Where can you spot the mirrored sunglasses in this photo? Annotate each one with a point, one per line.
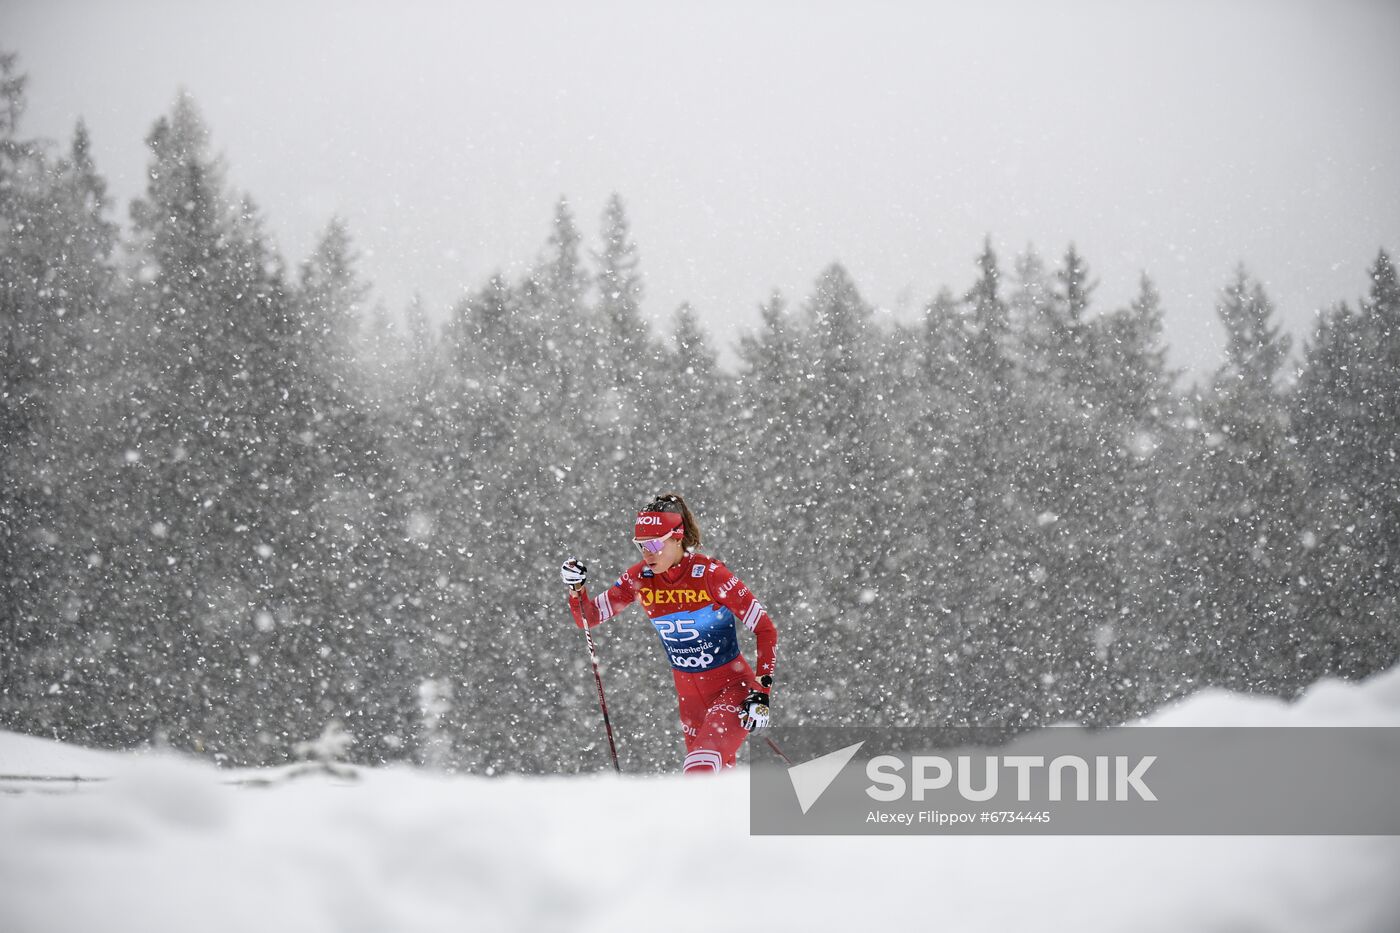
(651, 545)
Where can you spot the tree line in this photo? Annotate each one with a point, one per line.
(240, 501)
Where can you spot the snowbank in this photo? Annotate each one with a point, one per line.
(166, 844)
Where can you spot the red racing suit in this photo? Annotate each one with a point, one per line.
(696, 608)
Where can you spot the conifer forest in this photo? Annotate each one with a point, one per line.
(243, 501)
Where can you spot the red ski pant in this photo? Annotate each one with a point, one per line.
(709, 705)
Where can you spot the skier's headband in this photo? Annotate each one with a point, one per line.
(658, 525)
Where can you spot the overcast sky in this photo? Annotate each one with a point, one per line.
(755, 142)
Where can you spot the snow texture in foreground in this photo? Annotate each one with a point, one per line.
(169, 845)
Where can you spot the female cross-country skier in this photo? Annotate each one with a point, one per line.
(696, 605)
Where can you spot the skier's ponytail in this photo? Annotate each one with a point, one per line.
(673, 503)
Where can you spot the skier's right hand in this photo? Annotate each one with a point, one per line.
(574, 573)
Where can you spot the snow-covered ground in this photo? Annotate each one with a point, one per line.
(167, 844)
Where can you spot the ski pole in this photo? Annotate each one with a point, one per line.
(602, 701)
(777, 751)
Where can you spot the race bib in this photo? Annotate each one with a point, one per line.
(698, 640)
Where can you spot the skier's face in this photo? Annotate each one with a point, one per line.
(669, 554)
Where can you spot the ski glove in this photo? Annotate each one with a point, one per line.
(753, 714)
(574, 573)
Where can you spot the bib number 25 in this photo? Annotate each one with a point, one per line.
(677, 630)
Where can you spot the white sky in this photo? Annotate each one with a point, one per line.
(755, 142)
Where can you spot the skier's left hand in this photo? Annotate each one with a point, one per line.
(753, 714)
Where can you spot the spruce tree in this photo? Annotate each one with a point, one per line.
(623, 341)
(344, 525)
(773, 422)
(1137, 423)
(986, 529)
(1240, 552)
(56, 289)
(209, 462)
(1346, 411)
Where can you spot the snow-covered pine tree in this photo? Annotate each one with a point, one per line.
(624, 343)
(1240, 547)
(1347, 411)
(1139, 472)
(345, 527)
(211, 464)
(56, 292)
(772, 425)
